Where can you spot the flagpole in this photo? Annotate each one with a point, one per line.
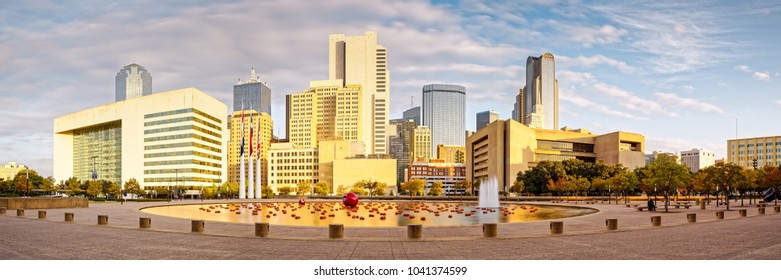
(258, 186)
(251, 188)
(241, 166)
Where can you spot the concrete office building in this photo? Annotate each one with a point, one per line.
(696, 159)
(421, 144)
(252, 94)
(438, 171)
(451, 154)
(340, 165)
(262, 126)
(359, 60)
(413, 114)
(289, 165)
(537, 104)
(401, 145)
(503, 148)
(766, 151)
(325, 111)
(173, 138)
(484, 118)
(9, 171)
(444, 107)
(133, 81)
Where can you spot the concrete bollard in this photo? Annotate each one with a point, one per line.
(556, 227)
(41, 215)
(20, 212)
(702, 205)
(611, 224)
(144, 223)
(761, 210)
(489, 230)
(656, 221)
(197, 226)
(720, 215)
(691, 217)
(69, 217)
(102, 219)
(777, 209)
(336, 231)
(414, 231)
(261, 229)
(742, 212)
(2, 210)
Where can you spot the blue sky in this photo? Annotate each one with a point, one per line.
(679, 73)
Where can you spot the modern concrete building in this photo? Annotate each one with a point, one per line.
(9, 171)
(766, 151)
(289, 165)
(401, 145)
(504, 148)
(421, 144)
(133, 81)
(252, 94)
(340, 165)
(438, 171)
(325, 111)
(359, 60)
(696, 159)
(262, 126)
(173, 138)
(451, 154)
(537, 104)
(444, 108)
(413, 114)
(484, 118)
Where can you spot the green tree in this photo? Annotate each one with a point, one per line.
(517, 187)
(6, 187)
(771, 177)
(94, 188)
(321, 188)
(536, 178)
(414, 187)
(624, 181)
(435, 189)
(229, 189)
(341, 190)
(303, 188)
(74, 186)
(27, 180)
(267, 192)
(461, 186)
(358, 188)
(114, 190)
(132, 187)
(209, 192)
(285, 190)
(580, 185)
(49, 185)
(666, 177)
(726, 176)
(703, 183)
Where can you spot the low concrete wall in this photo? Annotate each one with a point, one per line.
(43, 202)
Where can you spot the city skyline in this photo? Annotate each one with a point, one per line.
(672, 79)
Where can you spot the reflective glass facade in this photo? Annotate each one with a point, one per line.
(98, 148)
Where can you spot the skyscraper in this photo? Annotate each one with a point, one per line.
(401, 145)
(443, 112)
(133, 81)
(413, 114)
(325, 111)
(537, 105)
(358, 60)
(252, 94)
(484, 118)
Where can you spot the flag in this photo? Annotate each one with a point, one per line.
(250, 137)
(241, 152)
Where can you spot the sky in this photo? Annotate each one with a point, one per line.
(686, 74)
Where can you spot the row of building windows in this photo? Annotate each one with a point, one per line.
(182, 111)
(183, 161)
(182, 179)
(179, 145)
(183, 170)
(294, 174)
(183, 153)
(182, 136)
(183, 127)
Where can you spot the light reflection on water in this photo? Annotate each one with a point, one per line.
(367, 214)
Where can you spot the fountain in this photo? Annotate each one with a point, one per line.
(489, 194)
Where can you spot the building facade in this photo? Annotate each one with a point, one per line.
(451, 154)
(421, 143)
(504, 148)
(766, 151)
(359, 60)
(484, 118)
(262, 127)
(437, 171)
(696, 159)
(173, 138)
(413, 114)
(252, 94)
(444, 108)
(325, 111)
(289, 165)
(538, 101)
(401, 145)
(133, 81)
(656, 154)
(9, 171)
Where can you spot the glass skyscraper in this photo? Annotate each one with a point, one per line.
(133, 81)
(537, 105)
(252, 95)
(443, 112)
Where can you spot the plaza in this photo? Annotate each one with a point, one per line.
(585, 237)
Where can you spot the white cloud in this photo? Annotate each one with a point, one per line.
(589, 36)
(743, 68)
(762, 76)
(778, 102)
(582, 102)
(591, 61)
(673, 100)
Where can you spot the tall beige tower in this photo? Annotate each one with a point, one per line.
(262, 126)
(421, 143)
(359, 60)
(537, 104)
(325, 111)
